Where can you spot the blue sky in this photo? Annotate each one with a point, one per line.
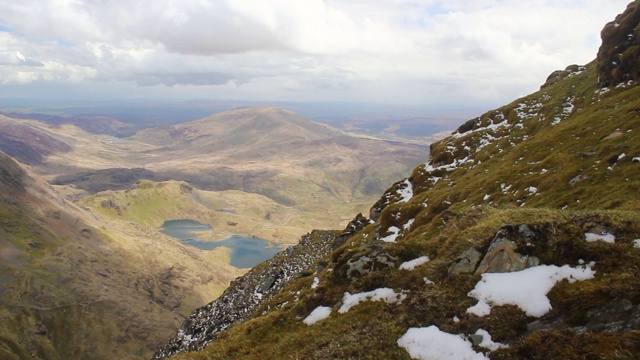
(485, 52)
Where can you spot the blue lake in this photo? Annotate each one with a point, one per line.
(246, 251)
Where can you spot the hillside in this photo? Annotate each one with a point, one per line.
(73, 286)
(519, 238)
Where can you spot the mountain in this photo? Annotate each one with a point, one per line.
(519, 238)
(73, 286)
(279, 154)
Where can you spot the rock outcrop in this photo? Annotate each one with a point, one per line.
(619, 55)
(502, 255)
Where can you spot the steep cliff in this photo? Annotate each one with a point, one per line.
(519, 238)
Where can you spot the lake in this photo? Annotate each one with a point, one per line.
(246, 251)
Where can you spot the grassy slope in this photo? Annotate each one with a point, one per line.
(530, 152)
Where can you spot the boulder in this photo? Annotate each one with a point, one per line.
(502, 256)
(360, 264)
(465, 263)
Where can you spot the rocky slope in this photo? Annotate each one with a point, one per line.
(519, 238)
(247, 294)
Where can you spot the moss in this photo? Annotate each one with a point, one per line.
(565, 344)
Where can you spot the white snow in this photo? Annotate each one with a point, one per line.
(526, 289)
(427, 281)
(406, 192)
(456, 319)
(591, 237)
(383, 294)
(491, 127)
(505, 188)
(568, 105)
(636, 159)
(532, 189)
(393, 236)
(431, 344)
(412, 264)
(486, 197)
(408, 224)
(319, 313)
(621, 156)
(487, 343)
(450, 167)
(636, 243)
(316, 281)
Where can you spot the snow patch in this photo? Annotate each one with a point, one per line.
(431, 343)
(383, 294)
(526, 289)
(410, 265)
(487, 343)
(408, 224)
(316, 282)
(591, 237)
(406, 192)
(319, 313)
(394, 235)
(636, 243)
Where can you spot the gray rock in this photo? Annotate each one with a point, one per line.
(377, 260)
(619, 315)
(465, 263)
(476, 339)
(266, 283)
(502, 256)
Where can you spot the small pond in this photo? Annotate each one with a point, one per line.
(246, 251)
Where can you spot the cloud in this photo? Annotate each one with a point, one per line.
(16, 58)
(485, 51)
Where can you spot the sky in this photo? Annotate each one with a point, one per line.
(401, 52)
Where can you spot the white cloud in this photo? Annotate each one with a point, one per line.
(401, 51)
